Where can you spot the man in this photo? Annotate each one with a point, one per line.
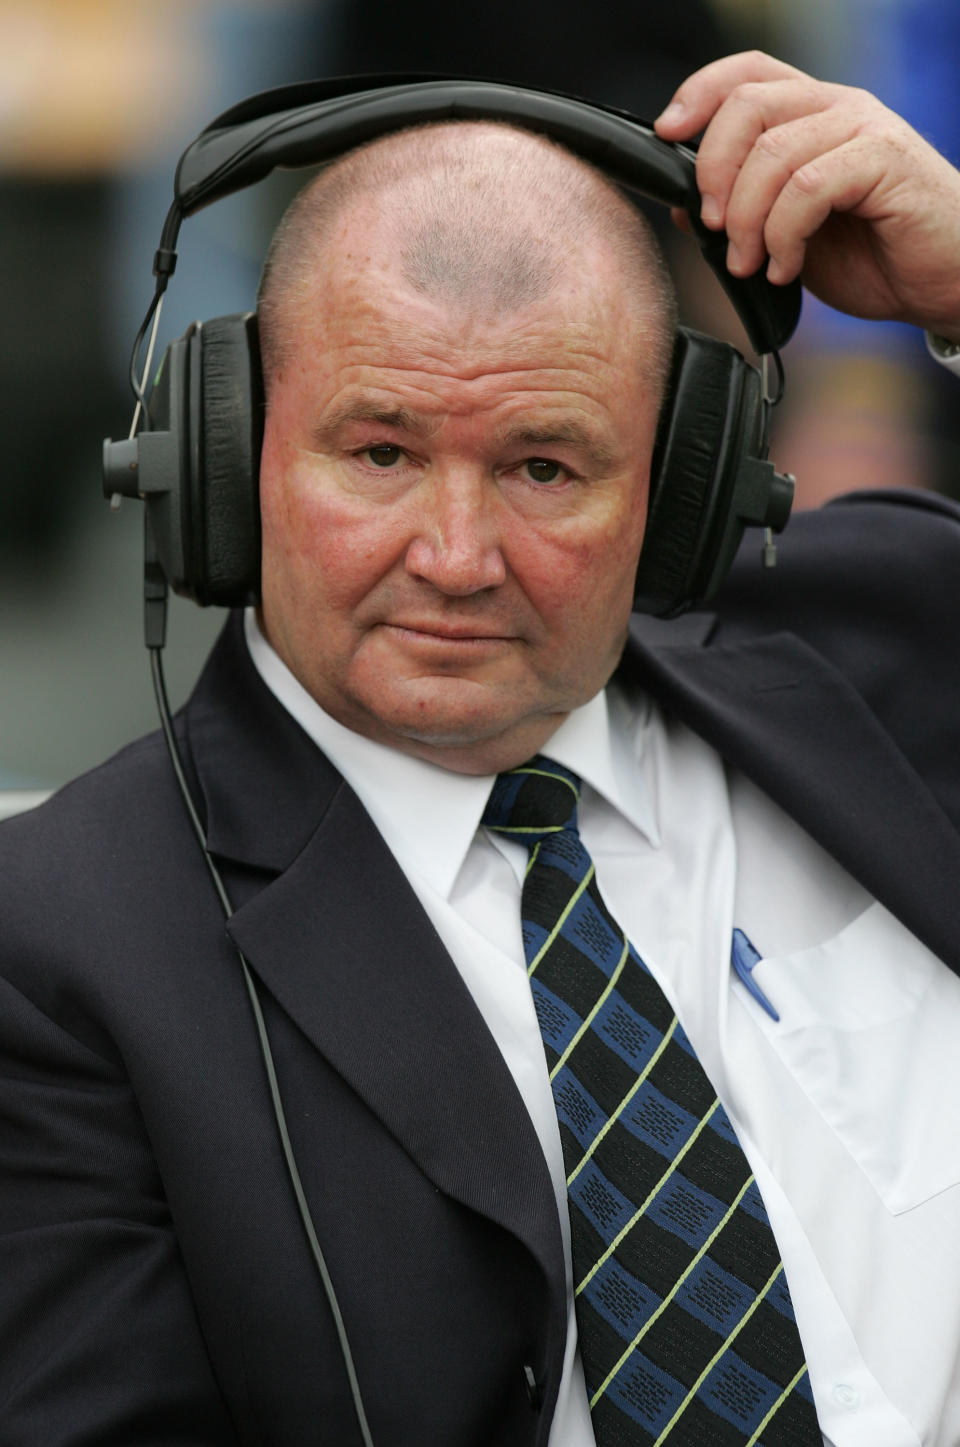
(462, 392)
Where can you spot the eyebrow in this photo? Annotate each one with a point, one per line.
(402, 418)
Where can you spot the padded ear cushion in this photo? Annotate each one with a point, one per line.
(695, 456)
(225, 514)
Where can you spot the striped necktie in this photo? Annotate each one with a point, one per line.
(686, 1327)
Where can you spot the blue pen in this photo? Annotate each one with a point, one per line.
(743, 957)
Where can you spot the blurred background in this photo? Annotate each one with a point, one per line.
(97, 100)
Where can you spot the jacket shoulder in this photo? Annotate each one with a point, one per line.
(90, 818)
(871, 582)
(862, 559)
(89, 883)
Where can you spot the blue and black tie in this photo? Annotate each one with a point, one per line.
(686, 1327)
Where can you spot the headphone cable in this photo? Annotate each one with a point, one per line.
(155, 619)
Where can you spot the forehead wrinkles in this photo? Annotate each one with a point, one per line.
(581, 361)
(468, 382)
(493, 406)
(371, 319)
(423, 405)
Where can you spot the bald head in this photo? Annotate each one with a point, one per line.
(483, 217)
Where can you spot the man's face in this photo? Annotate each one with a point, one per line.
(453, 507)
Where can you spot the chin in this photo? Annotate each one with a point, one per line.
(445, 733)
(438, 710)
(483, 743)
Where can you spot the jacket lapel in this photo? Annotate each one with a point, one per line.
(338, 937)
(778, 711)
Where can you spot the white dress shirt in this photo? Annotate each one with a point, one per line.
(847, 1108)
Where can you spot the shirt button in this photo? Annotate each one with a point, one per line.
(846, 1396)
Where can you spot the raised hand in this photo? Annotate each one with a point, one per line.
(822, 181)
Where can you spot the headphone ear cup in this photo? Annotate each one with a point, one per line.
(221, 513)
(711, 420)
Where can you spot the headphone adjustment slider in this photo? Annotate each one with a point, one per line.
(764, 496)
(139, 466)
(164, 262)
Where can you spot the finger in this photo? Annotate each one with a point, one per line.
(702, 93)
(745, 117)
(774, 157)
(840, 180)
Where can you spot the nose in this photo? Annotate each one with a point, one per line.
(456, 546)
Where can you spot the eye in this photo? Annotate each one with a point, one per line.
(383, 455)
(543, 470)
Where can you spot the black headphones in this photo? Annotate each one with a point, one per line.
(196, 461)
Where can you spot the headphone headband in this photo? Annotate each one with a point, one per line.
(307, 124)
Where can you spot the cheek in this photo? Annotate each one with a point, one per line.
(318, 542)
(583, 583)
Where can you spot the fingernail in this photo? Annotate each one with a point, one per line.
(710, 212)
(673, 115)
(734, 262)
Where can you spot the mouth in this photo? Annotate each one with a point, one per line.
(447, 635)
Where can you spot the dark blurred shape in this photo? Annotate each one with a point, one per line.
(59, 389)
(853, 421)
(111, 92)
(631, 55)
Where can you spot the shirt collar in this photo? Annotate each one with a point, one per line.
(428, 815)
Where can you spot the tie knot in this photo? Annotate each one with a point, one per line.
(540, 797)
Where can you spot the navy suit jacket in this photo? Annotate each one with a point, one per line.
(155, 1285)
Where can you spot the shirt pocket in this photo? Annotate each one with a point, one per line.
(870, 1029)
